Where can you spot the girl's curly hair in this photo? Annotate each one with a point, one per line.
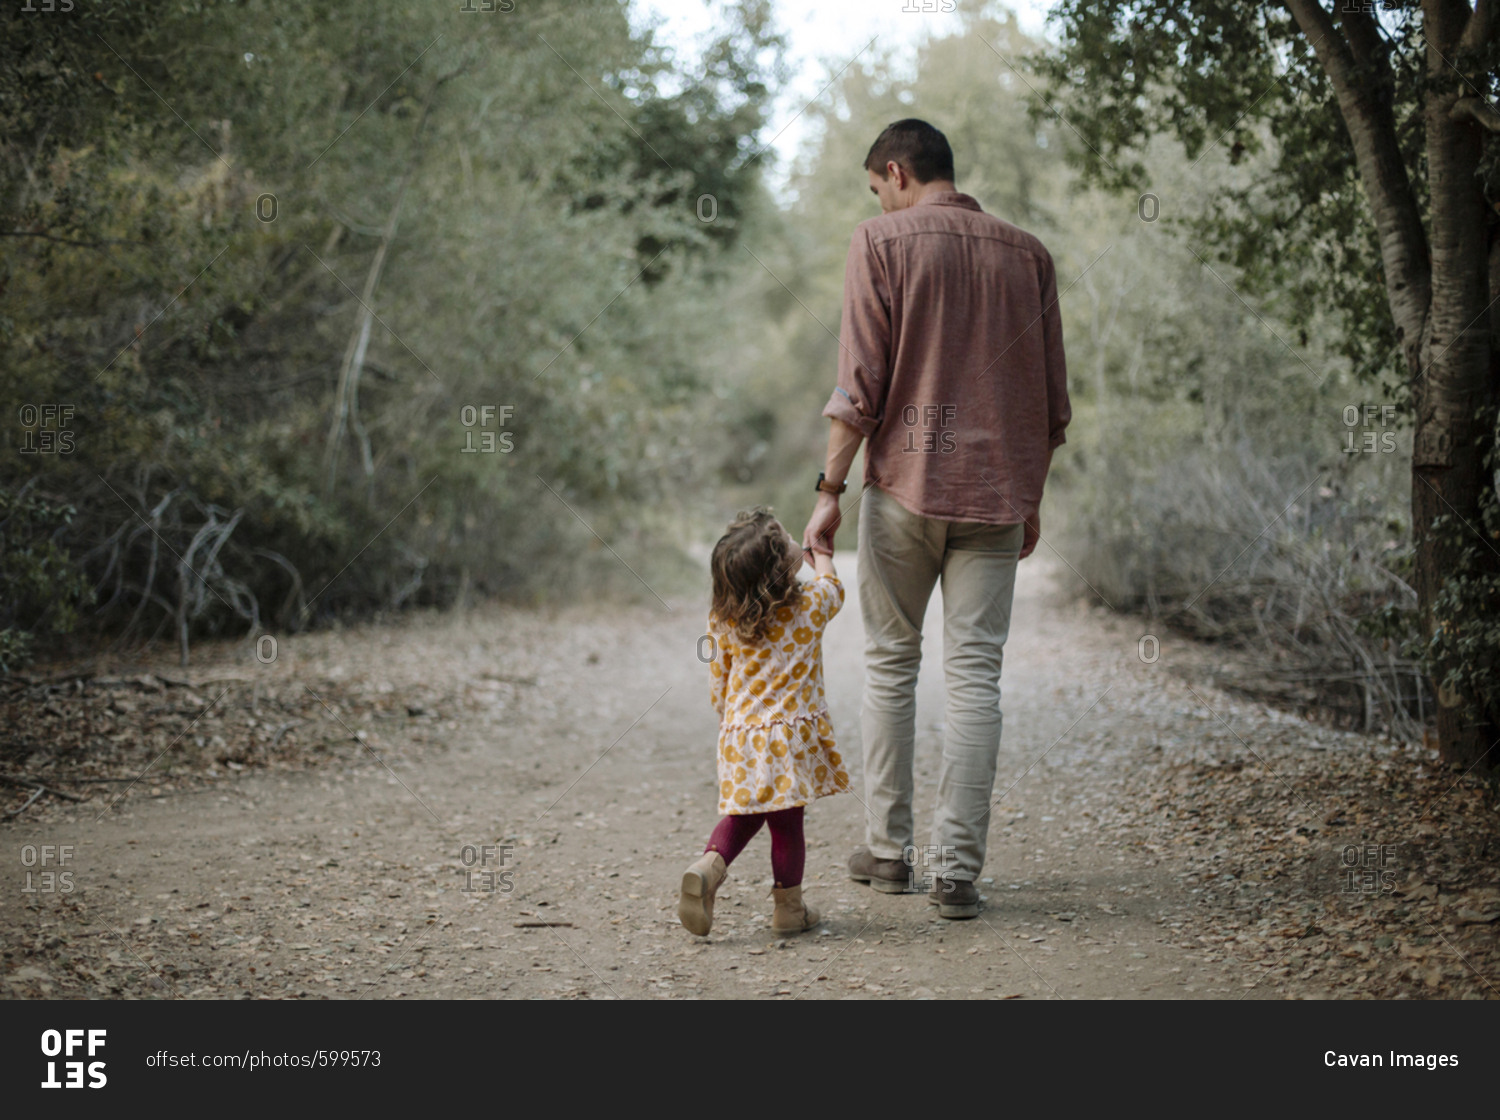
(755, 573)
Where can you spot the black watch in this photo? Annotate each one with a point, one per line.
(826, 487)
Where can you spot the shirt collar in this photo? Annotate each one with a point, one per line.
(950, 198)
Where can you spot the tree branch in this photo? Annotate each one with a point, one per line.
(1372, 128)
(346, 404)
(1483, 113)
(23, 780)
(1367, 44)
(1483, 26)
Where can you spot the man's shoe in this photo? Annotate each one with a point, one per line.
(954, 898)
(889, 876)
(695, 905)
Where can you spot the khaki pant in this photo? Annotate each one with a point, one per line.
(901, 557)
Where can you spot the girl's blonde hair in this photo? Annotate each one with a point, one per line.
(754, 572)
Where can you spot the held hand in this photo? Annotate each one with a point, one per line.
(1031, 535)
(821, 527)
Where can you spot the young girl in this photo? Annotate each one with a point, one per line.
(776, 748)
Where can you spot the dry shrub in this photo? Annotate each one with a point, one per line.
(1293, 564)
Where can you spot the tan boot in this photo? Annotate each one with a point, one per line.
(791, 915)
(700, 882)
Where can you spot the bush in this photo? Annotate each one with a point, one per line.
(42, 589)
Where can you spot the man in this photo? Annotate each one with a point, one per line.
(951, 366)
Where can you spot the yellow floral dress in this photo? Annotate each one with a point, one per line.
(776, 747)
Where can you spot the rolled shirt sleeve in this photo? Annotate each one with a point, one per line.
(864, 339)
(1059, 408)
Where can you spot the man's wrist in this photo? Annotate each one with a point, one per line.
(827, 485)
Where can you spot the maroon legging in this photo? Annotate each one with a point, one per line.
(788, 849)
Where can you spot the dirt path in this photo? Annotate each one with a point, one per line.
(525, 836)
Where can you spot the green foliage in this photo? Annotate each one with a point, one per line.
(1237, 84)
(42, 589)
(1464, 651)
(547, 264)
(1237, 88)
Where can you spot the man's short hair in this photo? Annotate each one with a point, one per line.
(918, 147)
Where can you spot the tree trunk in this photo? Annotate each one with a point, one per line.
(1438, 297)
(1452, 385)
